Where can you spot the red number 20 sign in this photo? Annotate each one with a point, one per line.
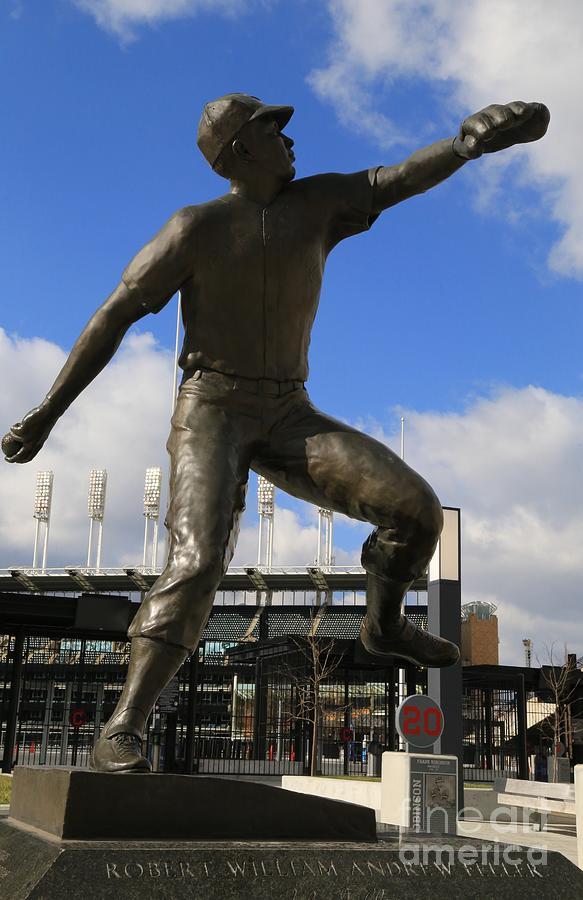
(419, 721)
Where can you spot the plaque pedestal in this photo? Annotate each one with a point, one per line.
(419, 792)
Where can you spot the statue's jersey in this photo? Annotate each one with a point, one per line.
(250, 276)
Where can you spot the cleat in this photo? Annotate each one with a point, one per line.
(410, 643)
(119, 753)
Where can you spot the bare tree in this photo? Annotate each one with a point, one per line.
(317, 663)
(559, 680)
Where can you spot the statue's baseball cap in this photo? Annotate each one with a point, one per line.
(222, 119)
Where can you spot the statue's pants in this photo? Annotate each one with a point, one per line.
(219, 431)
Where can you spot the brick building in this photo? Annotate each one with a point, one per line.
(479, 634)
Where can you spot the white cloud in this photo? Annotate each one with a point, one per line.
(295, 540)
(119, 423)
(471, 54)
(121, 16)
(513, 463)
(16, 10)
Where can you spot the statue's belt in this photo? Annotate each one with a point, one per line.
(263, 387)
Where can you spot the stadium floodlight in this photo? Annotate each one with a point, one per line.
(318, 579)
(256, 578)
(152, 491)
(266, 509)
(23, 580)
(265, 497)
(96, 511)
(138, 579)
(152, 488)
(43, 496)
(96, 498)
(81, 579)
(43, 499)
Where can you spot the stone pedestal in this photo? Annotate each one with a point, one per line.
(45, 864)
(78, 804)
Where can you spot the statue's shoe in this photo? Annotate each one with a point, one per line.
(120, 753)
(410, 643)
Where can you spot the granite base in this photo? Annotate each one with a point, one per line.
(34, 866)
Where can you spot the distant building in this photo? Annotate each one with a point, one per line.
(479, 634)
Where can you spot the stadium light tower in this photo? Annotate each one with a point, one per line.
(96, 511)
(43, 499)
(265, 508)
(325, 537)
(152, 489)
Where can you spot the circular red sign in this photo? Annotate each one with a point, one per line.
(78, 717)
(419, 721)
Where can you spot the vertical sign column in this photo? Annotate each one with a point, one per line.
(444, 618)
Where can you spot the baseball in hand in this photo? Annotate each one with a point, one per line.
(10, 445)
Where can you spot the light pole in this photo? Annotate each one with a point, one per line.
(42, 513)
(176, 353)
(325, 537)
(265, 508)
(444, 595)
(152, 488)
(96, 511)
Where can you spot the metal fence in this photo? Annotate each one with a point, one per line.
(226, 711)
(240, 708)
(508, 731)
(66, 689)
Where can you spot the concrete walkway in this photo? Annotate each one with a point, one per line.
(561, 840)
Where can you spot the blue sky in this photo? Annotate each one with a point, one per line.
(434, 303)
(454, 299)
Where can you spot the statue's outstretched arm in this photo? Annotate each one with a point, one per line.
(92, 351)
(493, 128)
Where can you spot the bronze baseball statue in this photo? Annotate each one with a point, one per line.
(249, 265)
